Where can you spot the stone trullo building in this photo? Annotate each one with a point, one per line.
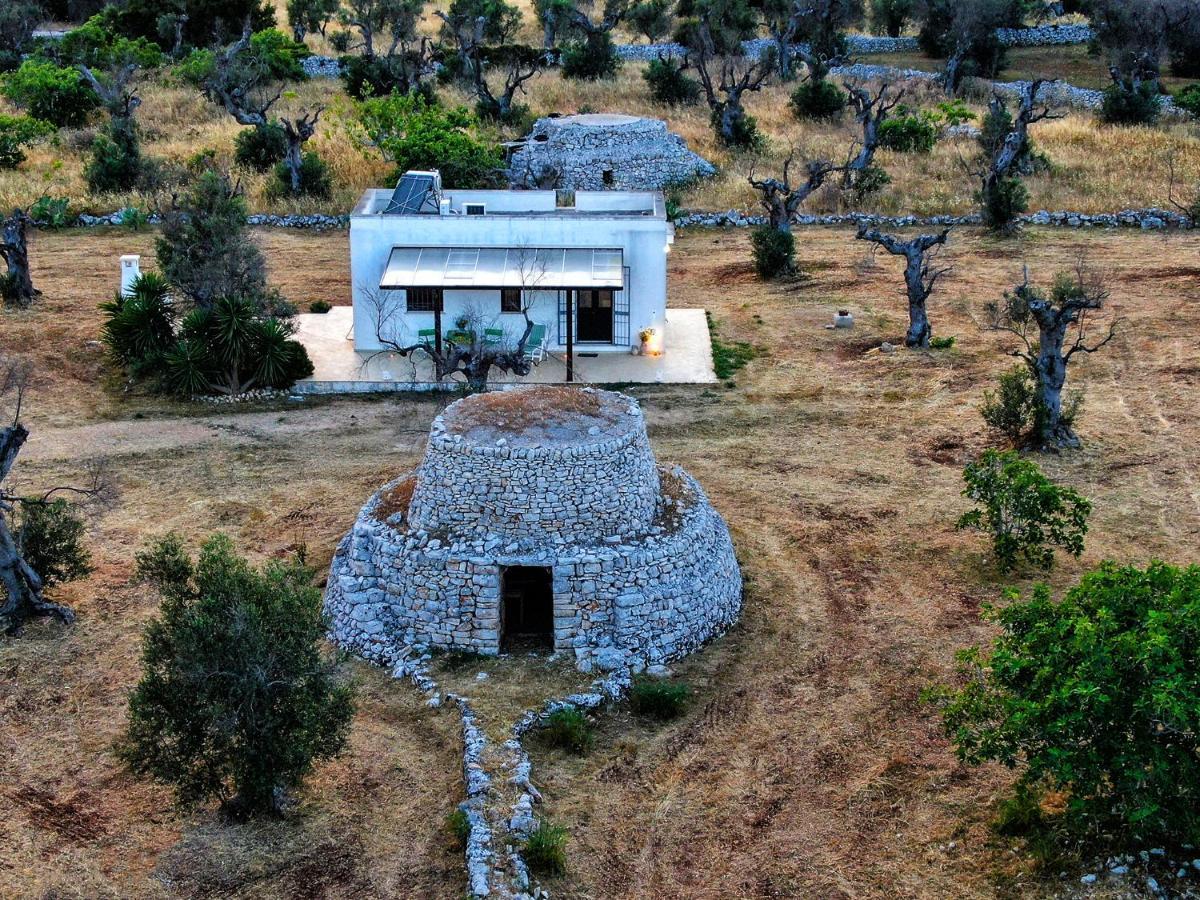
(537, 519)
(604, 152)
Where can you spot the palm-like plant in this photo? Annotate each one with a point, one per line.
(141, 325)
(187, 365)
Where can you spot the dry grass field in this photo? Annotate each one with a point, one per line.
(806, 766)
(1095, 168)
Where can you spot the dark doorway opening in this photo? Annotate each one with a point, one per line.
(594, 316)
(527, 608)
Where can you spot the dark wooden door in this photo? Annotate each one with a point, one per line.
(594, 316)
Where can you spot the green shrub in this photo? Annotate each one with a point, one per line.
(817, 100)
(236, 701)
(941, 343)
(319, 307)
(458, 825)
(593, 58)
(116, 161)
(1127, 105)
(340, 41)
(869, 182)
(545, 849)
(379, 76)
(657, 698)
(1025, 513)
(315, 178)
(952, 113)
(279, 55)
(774, 252)
(261, 147)
(99, 43)
(17, 132)
(51, 212)
(50, 538)
(669, 85)
(135, 218)
(1015, 408)
(1003, 203)
(1094, 696)
(51, 93)
(139, 328)
(567, 729)
(908, 133)
(1189, 99)
(415, 134)
(744, 135)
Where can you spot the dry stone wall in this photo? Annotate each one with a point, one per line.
(628, 593)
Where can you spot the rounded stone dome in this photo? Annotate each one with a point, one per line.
(540, 463)
(538, 514)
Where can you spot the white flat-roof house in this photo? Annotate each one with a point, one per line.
(589, 266)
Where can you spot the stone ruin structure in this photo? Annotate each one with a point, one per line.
(538, 519)
(604, 151)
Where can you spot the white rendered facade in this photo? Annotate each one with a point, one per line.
(603, 259)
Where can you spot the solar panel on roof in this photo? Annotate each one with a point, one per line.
(416, 193)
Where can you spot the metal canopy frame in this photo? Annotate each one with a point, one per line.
(492, 268)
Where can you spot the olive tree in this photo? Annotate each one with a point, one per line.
(1052, 328)
(16, 286)
(1092, 697)
(241, 81)
(712, 32)
(236, 701)
(1002, 195)
(920, 275)
(41, 537)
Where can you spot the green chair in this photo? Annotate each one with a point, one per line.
(493, 336)
(426, 336)
(535, 347)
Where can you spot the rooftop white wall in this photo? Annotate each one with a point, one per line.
(643, 240)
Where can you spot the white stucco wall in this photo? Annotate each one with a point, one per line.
(643, 240)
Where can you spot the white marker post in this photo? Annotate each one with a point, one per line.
(131, 268)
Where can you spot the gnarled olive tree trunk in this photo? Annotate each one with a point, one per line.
(23, 587)
(919, 276)
(18, 289)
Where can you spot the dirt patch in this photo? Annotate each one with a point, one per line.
(74, 818)
(396, 499)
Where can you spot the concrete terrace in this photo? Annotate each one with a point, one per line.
(339, 369)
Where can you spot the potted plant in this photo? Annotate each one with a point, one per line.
(646, 335)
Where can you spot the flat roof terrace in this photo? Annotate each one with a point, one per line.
(590, 204)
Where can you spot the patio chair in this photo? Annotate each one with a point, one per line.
(535, 347)
(493, 336)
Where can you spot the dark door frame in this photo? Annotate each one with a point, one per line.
(593, 304)
(527, 607)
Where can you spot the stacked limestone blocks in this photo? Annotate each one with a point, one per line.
(642, 567)
(604, 151)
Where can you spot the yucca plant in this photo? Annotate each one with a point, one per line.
(141, 325)
(187, 366)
